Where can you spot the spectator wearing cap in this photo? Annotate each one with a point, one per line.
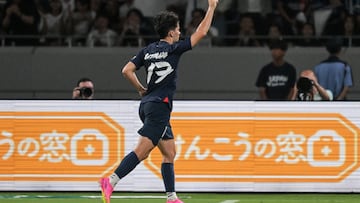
(276, 80)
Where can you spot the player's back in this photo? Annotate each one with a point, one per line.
(161, 62)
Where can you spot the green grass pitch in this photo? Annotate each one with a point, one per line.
(120, 197)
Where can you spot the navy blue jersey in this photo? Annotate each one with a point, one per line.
(161, 60)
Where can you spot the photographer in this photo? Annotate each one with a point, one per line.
(308, 89)
(84, 89)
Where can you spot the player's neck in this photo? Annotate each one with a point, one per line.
(168, 40)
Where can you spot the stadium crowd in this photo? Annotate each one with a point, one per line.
(248, 23)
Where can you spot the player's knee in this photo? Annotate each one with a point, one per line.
(141, 154)
(169, 156)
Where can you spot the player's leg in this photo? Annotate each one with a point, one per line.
(155, 124)
(130, 161)
(168, 151)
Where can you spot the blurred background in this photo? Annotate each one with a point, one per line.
(47, 45)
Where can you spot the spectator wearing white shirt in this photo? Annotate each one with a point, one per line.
(81, 21)
(102, 35)
(68, 6)
(54, 24)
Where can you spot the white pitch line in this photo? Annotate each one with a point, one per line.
(126, 197)
(230, 201)
(91, 197)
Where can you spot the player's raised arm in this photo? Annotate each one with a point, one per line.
(205, 24)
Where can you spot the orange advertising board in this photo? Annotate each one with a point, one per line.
(262, 147)
(57, 146)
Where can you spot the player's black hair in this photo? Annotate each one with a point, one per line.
(279, 44)
(164, 22)
(84, 79)
(334, 44)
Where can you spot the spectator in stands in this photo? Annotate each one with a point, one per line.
(149, 8)
(349, 34)
(317, 4)
(95, 6)
(308, 89)
(222, 20)
(257, 10)
(314, 5)
(69, 7)
(180, 10)
(111, 9)
(81, 22)
(42, 6)
(333, 73)
(246, 33)
(307, 37)
(276, 80)
(335, 22)
(101, 34)
(124, 7)
(54, 24)
(198, 15)
(136, 30)
(84, 89)
(21, 20)
(293, 15)
(274, 34)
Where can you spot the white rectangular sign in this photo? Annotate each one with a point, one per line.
(225, 146)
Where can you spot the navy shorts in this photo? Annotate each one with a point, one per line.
(156, 121)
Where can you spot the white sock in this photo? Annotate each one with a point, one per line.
(171, 196)
(114, 179)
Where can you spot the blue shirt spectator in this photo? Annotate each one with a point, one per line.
(333, 73)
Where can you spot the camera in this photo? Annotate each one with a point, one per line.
(85, 92)
(305, 89)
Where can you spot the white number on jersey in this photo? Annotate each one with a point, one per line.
(155, 68)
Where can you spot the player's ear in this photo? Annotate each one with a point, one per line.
(171, 34)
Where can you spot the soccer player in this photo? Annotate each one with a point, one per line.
(160, 60)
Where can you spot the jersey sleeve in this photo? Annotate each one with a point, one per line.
(138, 60)
(183, 46)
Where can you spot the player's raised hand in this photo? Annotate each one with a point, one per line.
(213, 3)
(205, 24)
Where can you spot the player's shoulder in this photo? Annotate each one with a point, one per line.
(186, 42)
(150, 46)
